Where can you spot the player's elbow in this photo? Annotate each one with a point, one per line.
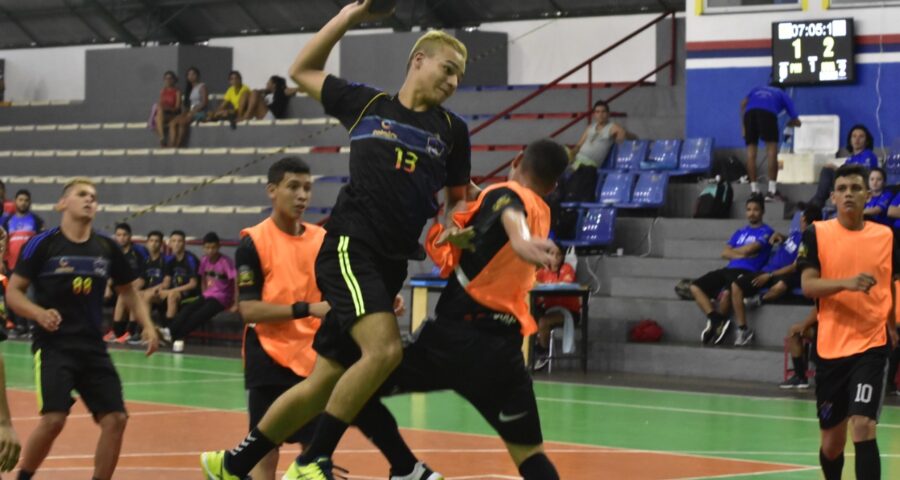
(247, 312)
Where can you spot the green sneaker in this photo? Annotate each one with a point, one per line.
(321, 469)
(213, 464)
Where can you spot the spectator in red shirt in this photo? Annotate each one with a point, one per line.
(555, 309)
(9, 207)
(167, 108)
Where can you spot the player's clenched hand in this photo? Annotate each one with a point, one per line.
(399, 306)
(151, 338)
(49, 320)
(796, 330)
(460, 238)
(358, 12)
(9, 448)
(860, 283)
(540, 252)
(319, 309)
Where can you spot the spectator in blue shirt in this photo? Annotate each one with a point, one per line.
(747, 252)
(759, 110)
(859, 145)
(779, 275)
(879, 203)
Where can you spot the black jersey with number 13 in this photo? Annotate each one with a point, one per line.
(399, 160)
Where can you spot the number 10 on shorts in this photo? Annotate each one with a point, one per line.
(863, 393)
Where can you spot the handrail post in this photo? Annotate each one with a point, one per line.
(674, 47)
(590, 89)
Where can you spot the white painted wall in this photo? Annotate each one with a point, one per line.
(539, 51)
(758, 25)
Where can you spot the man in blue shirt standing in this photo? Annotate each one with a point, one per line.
(779, 276)
(759, 110)
(747, 252)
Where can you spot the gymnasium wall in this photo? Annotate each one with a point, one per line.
(728, 54)
(538, 51)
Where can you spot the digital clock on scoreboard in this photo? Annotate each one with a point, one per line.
(809, 52)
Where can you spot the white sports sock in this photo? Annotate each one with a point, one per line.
(772, 186)
(754, 188)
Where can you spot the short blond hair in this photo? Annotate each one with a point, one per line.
(77, 181)
(429, 42)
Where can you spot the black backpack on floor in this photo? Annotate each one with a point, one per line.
(715, 201)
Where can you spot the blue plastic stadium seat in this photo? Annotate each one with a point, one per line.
(596, 227)
(649, 192)
(696, 156)
(617, 188)
(663, 155)
(629, 154)
(892, 167)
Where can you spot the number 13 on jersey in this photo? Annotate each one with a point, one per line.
(406, 160)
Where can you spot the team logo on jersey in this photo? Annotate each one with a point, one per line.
(501, 202)
(63, 266)
(802, 251)
(245, 276)
(101, 266)
(435, 146)
(385, 130)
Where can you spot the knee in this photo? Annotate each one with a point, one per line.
(114, 422)
(736, 289)
(696, 291)
(862, 428)
(54, 422)
(388, 356)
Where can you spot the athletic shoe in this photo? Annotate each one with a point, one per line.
(213, 464)
(321, 469)
(743, 337)
(165, 335)
(753, 302)
(135, 339)
(707, 334)
(178, 346)
(722, 330)
(540, 362)
(421, 472)
(121, 340)
(794, 382)
(110, 337)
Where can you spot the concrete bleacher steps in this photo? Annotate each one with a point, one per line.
(682, 197)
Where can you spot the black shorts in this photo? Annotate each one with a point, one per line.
(259, 399)
(745, 281)
(851, 385)
(90, 372)
(356, 281)
(713, 282)
(760, 124)
(487, 369)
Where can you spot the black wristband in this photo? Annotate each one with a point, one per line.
(300, 310)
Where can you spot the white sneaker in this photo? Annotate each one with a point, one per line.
(178, 346)
(166, 335)
(743, 337)
(420, 472)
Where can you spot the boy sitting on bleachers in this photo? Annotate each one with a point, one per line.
(747, 252)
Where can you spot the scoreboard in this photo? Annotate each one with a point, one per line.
(813, 52)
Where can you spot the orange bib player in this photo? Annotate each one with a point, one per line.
(848, 265)
(474, 345)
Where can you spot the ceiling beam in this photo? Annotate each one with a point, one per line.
(252, 17)
(154, 11)
(117, 26)
(15, 21)
(97, 33)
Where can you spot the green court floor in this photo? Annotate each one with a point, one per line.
(780, 430)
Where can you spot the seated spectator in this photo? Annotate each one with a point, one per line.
(779, 276)
(124, 327)
(597, 140)
(859, 144)
(234, 105)
(180, 281)
(555, 309)
(154, 269)
(271, 102)
(799, 357)
(168, 107)
(217, 275)
(747, 252)
(196, 101)
(878, 205)
(9, 207)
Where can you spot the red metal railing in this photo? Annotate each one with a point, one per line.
(590, 93)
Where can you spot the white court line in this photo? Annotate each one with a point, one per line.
(692, 410)
(152, 367)
(754, 474)
(784, 454)
(150, 413)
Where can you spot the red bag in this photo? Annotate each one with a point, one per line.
(646, 331)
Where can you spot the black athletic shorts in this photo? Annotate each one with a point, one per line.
(851, 385)
(485, 368)
(356, 281)
(90, 372)
(745, 281)
(760, 124)
(713, 282)
(259, 399)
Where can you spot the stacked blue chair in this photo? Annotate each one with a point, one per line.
(649, 192)
(617, 188)
(696, 156)
(596, 227)
(892, 167)
(629, 154)
(663, 155)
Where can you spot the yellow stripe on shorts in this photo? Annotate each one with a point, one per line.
(37, 379)
(349, 279)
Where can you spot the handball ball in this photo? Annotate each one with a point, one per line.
(381, 6)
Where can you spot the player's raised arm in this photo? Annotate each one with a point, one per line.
(539, 251)
(308, 69)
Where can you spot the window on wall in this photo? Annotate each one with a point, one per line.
(861, 3)
(738, 6)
